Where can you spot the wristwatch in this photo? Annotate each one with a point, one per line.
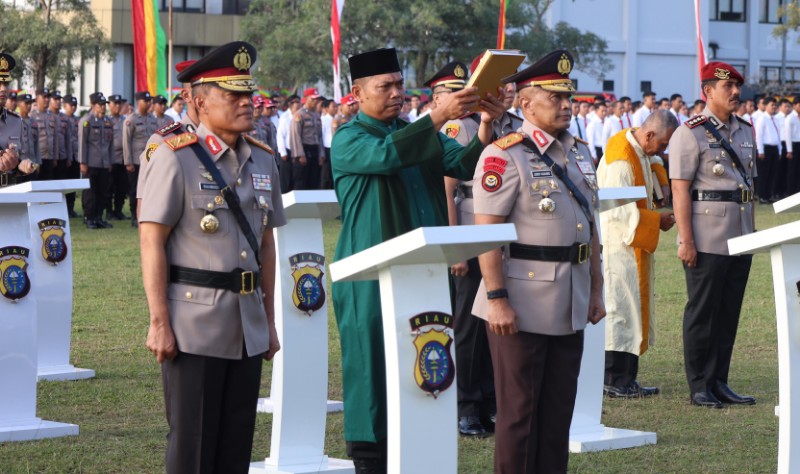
(496, 294)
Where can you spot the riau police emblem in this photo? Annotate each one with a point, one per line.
(434, 368)
(308, 293)
(14, 281)
(54, 248)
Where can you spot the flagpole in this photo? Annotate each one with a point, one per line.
(169, 55)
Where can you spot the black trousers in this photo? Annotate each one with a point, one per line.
(474, 373)
(118, 188)
(212, 413)
(133, 179)
(536, 378)
(793, 170)
(97, 194)
(622, 368)
(52, 169)
(598, 150)
(285, 168)
(768, 172)
(73, 172)
(306, 176)
(326, 174)
(715, 287)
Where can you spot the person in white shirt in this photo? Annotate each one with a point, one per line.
(627, 121)
(413, 114)
(768, 144)
(595, 133)
(329, 108)
(784, 109)
(284, 129)
(582, 121)
(573, 122)
(792, 127)
(648, 106)
(613, 123)
(742, 111)
(177, 109)
(675, 105)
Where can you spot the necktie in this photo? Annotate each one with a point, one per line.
(578, 125)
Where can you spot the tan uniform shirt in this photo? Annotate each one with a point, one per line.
(463, 130)
(693, 154)
(10, 131)
(96, 141)
(118, 156)
(549, 298)
(208, 321)
(306, 130)
(135, 133)
(155, 140)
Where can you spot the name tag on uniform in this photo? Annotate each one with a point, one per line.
(715, 145)
(261, 182)
(585, 167)
(746, 145)
(209, 187)
(541, 174)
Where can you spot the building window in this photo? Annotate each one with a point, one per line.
(235, 7)
(191, 6)
(646, 86)
(768, 11)
(728, 10)
(608, 86)
(770, 73)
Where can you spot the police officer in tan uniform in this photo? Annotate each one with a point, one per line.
(30, 140)
(305, 141)
(95, 149)
(137, 129)
(210, 293)
(118, 179)
(159, 108)
(712, 169)
(63, 141)
(73, 171)
(539, 292)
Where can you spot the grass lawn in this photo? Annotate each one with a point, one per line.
(121, 416)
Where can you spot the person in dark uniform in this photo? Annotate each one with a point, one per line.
(137, 129)
(305, 139)
(30, 143)
(118, 179)
(712, 196)
(95, 149)
(211, 297)
(159, 111)
(11, 101)
(539, 292)
(74, 169)
(62, 139)
(11, 164)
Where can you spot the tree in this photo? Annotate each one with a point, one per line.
(48, 36)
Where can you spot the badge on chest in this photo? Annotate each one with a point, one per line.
(261, 182)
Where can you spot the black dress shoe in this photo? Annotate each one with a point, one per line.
(134, 223)
(706, 399)
(72, 213)
(90, 224)
(118, 215)
(471, 426)
(613, 391)
(645, 391)
(104, 224)
(369, 465)
(726, 395)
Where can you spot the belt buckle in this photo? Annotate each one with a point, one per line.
(583, 253)
(248, 277)
(747, 195)
(3, 180)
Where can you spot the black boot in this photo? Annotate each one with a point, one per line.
(369, 465)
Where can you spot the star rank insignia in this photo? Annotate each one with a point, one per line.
(54, 248)
(308, 294)
(434, 367)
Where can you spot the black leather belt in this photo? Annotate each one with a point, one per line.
(238, 281)
(741, 196)
(575, 253)
(466, 191)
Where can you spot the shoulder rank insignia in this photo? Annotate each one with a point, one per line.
(308, 294)
(580, 140)
(259, 144)
(151, 148)
(181, 141)
(173, 127)
(509, 140)
(54, 248)
(14, 281)
(434, 368)
(695, 121)
(452, 130)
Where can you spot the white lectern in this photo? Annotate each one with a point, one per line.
(418, 335)
(300, 370)
(783, 244)
(52, 247)
(587, 433)
(20, 289)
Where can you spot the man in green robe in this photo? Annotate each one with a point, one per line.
(389, 180)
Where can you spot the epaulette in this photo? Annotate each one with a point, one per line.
(259, 144)
(742, 120)
(581, 140)
(181, 141)
(164, 131)
(509, 140)
(696, 120)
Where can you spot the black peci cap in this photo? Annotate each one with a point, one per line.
(373, 63)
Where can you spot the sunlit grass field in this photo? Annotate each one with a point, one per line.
(121, 416)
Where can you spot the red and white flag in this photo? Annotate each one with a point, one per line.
(336, 14)
(701, 47)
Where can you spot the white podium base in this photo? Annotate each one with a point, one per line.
(266, 405)
(609, 438)
(328, 465)
(36, 429)
(57, 373)
(778, 411)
